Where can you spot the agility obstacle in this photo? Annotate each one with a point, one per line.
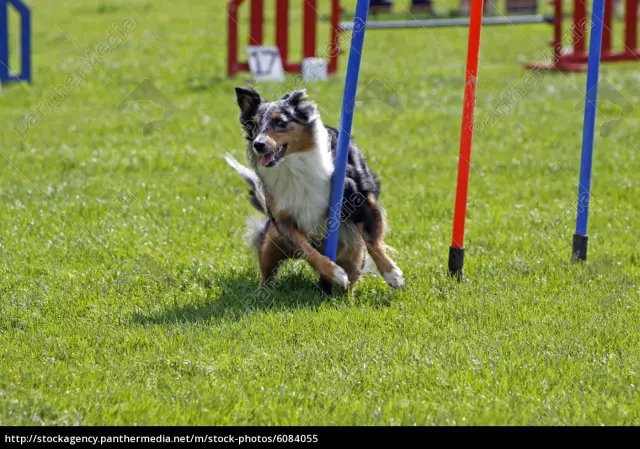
(332, 50)
(576, 59)
(256, 34)
(522, 6)
(444, 23)
(456, 251)
(580, 238)
(25, 42)
(515, 6)
(344, 132)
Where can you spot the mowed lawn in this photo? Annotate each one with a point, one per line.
(128, 296)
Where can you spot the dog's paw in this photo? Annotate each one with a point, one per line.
(325, 285)
(340, 277)
(394, 278)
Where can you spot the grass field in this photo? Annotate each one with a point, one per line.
(124, 278)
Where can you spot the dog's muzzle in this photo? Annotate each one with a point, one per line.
(272, 158)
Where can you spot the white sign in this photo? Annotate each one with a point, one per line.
(265, 63)
(314, 69)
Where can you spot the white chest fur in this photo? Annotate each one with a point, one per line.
(301, 183)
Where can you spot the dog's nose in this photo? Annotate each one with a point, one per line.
(259, 146)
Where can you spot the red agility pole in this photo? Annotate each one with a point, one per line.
(309, 28)
(255, 30)
(456, 251)
(232, 38)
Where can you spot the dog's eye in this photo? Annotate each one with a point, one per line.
(279, 123)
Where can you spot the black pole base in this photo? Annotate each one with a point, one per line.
(580, 247)
(456, 261)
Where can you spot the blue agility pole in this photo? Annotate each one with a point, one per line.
(584, 189)
(344, 133)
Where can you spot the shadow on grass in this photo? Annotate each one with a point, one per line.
(236, 295)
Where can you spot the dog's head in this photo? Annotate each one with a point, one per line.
(277, 128)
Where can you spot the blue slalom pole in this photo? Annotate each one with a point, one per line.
(344, 133)
(25, 41)
(584, 189)
(4, 42)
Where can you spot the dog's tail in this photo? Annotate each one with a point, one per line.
(256, 194)
(256, 226)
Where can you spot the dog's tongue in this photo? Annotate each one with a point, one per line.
(266, 159)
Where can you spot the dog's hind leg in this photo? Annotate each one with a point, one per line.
(352, 261)
(273, 251)
(373, 229)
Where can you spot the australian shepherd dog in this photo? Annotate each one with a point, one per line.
(292, 154)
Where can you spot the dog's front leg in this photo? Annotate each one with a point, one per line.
(304, 250)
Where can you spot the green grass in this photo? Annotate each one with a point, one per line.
(147, 322)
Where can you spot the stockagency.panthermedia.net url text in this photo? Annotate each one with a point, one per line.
(189, 439)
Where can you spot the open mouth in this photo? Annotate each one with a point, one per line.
(272, 159)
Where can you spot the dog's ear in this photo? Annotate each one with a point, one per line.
(295, 98)
(305, 111)
(248, 100)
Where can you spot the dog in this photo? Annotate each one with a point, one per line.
(292, 154)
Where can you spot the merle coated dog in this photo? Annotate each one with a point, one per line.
(292, 154)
